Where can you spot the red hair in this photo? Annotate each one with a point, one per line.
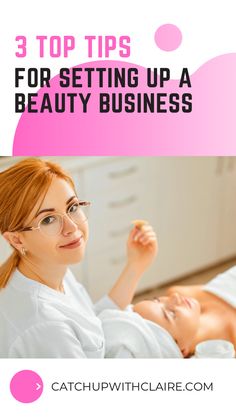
(21, 186)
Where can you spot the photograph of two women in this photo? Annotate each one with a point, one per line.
(117, 257)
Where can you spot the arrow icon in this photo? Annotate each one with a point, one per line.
(26, 386)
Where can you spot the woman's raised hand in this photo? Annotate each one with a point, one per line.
(142, 246)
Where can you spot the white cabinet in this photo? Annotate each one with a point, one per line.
(119, 192)
(227, 239)
(181, 197)
(188, 198)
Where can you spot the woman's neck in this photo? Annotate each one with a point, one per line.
(212, 325)
(52, 275)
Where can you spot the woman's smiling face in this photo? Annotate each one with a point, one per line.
(66, 247)
(177, 314)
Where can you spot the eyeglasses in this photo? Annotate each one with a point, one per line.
(52, 224)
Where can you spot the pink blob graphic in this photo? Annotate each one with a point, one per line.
(210, 129)
(168, 37)
(26, 386)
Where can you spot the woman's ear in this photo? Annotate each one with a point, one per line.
(185, 351)
(13, 239)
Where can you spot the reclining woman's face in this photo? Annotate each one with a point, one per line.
(179, 315)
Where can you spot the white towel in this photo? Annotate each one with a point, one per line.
(224, 286)
(129, 334)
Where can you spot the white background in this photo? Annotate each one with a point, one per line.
(121, 405)
(208, 29)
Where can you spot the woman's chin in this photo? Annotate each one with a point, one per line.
(72, 259)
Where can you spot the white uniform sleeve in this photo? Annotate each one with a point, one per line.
(47, 340)
(105, 303)
(121, 352)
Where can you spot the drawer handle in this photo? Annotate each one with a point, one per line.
(219, 166)
(118, 233)
(117, 261)
(123, 202)
(122, 173)
(231, 161)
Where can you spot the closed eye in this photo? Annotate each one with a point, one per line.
(156, 299)
(172, 313)
(168, 314)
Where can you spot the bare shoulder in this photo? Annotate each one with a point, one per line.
(188, 290)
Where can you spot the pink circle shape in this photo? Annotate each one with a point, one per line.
(168, 37)
(26, 386)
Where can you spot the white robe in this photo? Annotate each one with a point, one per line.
(128, 335)
(224, 286)
(39, 322)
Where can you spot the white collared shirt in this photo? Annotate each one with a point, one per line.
(39, 322)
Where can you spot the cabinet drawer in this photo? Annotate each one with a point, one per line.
(111, 215)
(114, 175)
(103, 269)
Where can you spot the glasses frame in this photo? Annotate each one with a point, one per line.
(31, 228)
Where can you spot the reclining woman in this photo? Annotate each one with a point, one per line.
(174, 324)
(192, 314)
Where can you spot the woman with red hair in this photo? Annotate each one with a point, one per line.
(44, 311)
